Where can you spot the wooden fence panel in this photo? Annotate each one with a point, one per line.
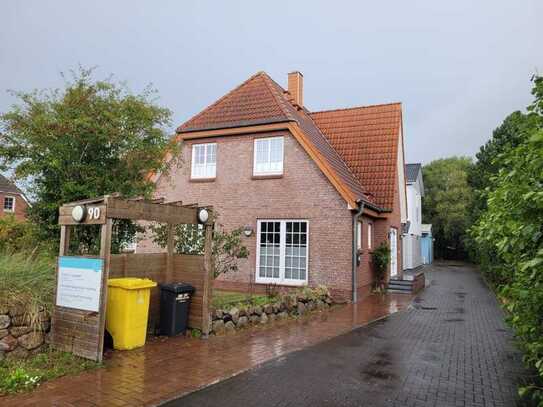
(187, 269)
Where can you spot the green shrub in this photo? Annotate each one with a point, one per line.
(380, 258)
(509, 238)
(16, 236)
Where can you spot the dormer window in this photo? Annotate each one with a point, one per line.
(9, 204)
(268, 156)
(204, 161)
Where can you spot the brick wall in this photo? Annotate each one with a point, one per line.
(20, 206)
(303, 192)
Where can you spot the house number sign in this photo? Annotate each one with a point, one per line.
(79, 213)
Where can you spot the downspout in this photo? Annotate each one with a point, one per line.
(356, 217)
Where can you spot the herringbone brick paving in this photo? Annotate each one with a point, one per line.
(451, 348)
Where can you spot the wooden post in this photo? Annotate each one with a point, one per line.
(208, 278)
(105, 254)
(169, 258)
(64, 240)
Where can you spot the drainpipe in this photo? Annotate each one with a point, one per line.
(356, 216)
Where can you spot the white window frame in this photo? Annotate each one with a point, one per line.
(192, 165)
(268, 172)
(370, 235)
(282, 249)
(12, 205)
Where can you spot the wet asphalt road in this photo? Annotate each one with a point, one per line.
(451, 348)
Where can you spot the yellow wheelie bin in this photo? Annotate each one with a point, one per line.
(127, 311)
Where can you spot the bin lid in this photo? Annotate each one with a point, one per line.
(177, 288)
(131, 283)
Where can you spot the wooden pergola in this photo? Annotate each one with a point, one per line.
(79, 314)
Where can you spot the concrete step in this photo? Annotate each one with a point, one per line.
(400, 286)
(406, 283)
(394, 291)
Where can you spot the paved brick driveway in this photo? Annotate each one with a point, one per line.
(451, 349)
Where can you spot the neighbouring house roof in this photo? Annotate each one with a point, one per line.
(356, 148)
(7, 186)
(412, 171)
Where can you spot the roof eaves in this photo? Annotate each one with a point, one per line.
(244, 123)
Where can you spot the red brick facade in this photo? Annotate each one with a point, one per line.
(20, 206)
(302, 192)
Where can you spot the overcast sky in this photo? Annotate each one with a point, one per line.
(459, 67)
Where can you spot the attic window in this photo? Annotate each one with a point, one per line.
(9, 204)
(268, 156)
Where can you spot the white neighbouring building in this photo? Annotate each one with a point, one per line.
(411, 239)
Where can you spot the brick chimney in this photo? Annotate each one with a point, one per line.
(296, 87)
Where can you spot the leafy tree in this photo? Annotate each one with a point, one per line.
(515, 129)
(446, 204)
(91, 138)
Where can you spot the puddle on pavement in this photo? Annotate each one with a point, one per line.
(454, 320)
(380, 369)
(458, 310)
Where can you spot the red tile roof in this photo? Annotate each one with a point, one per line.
(253, 102)
(367, 139)
(358, 146)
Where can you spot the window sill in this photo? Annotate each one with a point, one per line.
(270, 176)
(283, 283)
(202, 179)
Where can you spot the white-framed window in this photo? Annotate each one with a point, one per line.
(9, 204)
(268, 156)
(204, 160)
(359, 236)
(370, 235)
(282, 251)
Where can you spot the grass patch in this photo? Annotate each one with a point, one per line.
(27, 278)
(23, 375)
(223, 299)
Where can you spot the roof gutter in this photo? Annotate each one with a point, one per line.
(356, 217)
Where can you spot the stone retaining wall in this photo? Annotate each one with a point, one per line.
(288, 305)
(18, 338)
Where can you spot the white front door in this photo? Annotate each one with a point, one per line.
(393, 237)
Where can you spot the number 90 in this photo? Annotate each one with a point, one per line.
(94, 213)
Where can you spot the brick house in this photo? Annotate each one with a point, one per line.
(315, 191)
(12, 200)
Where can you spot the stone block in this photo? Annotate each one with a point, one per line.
(31, 340)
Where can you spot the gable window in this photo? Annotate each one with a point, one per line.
(370, 234)
(268, 156)
(204, 161)
(9, 204)
(282, 251)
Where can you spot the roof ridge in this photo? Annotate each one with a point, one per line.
(278, 98)
(178, 129)
(356, 107)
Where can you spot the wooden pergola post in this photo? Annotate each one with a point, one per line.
(80, 328)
